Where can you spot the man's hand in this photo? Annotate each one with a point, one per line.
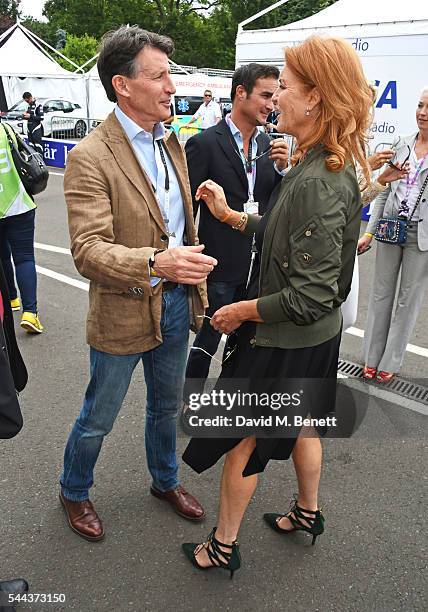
(26, 115)
(185, 264)
(279, 153)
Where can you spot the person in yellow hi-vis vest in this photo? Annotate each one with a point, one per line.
(17, 212)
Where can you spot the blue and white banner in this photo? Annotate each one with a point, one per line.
(55, 151)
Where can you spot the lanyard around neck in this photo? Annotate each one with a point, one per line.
(164, 206)
(404, 209)
(165, 165)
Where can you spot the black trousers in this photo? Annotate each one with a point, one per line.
(35, 133)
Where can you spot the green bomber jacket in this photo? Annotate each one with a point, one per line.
(308, 254)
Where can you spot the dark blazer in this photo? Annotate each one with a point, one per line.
(13, 373)
(213, 155)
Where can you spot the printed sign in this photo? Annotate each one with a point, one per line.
(55, 151)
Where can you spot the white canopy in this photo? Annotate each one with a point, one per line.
(345, 18)
(26, 65)
(21, 57)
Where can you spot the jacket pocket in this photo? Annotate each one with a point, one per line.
(310, 243)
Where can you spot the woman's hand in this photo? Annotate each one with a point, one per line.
(377, 160)
(279, 153)
(363, 243)
(227, 319)
(213, 196)
(391, 174)
(230, 317)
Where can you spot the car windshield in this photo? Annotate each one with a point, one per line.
(22, 105)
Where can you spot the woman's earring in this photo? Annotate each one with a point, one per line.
(307, 111)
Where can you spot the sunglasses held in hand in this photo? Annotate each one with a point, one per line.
(394, 165)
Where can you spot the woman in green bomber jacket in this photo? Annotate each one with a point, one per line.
(292, 327)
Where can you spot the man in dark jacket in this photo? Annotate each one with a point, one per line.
(34, 115)
(231, 153)
(13, 377)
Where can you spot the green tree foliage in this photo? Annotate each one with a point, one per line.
(204, 31)
(10, 8)
(9, 11)
(79, 49)
(229, 13)
(43, 30)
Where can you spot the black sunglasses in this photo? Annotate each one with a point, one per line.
(392, 165)
(229, 349)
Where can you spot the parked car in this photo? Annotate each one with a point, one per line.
(62, 117)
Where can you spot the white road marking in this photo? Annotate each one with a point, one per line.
(411, 348)
(377, 392)
(57, 173)
(353, 331)
(50, 247)
(63, 278)
(386, 395)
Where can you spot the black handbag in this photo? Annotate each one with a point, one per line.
(10, 411)
(29, 163)
(393, 230)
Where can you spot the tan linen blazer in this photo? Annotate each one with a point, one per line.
(115, 226)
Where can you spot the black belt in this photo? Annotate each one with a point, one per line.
(169, 286)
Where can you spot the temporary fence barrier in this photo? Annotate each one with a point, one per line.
(62, 127)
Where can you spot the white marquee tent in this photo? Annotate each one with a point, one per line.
(390, 36)
(26, 65)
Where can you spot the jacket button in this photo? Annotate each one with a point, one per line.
(308, 233)
(424, 200)
(307, 257)
(253, 342)
(164, 237)
(285, 264)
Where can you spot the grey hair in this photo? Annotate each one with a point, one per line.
(424, 90)
(118, 50)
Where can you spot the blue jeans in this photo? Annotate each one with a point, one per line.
(110, 378)
(17, 238)
(198, 363)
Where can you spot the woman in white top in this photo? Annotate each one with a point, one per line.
(388, 332)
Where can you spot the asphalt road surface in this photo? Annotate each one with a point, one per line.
(372, 556)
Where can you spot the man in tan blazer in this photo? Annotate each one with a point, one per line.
(133, 236)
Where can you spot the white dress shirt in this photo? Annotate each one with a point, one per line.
(210, 114)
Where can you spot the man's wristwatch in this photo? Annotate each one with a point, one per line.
(152, 262)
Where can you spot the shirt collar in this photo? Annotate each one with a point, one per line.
(235, 130)
(133, 130)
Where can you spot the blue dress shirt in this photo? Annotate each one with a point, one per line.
(146, 150)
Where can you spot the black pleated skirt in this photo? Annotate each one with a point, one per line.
(318, 363)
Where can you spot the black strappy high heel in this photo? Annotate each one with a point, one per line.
(229, 559)
(312, 521)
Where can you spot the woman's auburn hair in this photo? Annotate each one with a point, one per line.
(334, 68)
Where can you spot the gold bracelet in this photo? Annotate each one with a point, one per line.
(242, 221)
(227, 216)
(368, 234)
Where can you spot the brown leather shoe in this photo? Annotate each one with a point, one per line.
(182, 502)
(83, 519)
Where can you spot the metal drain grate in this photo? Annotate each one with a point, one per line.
(400, 386)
